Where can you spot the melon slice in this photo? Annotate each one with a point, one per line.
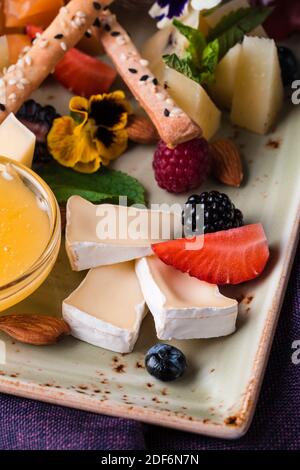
(213, 18)
(16, 44)
(4, 53)
(222, 89)
(193, 99)
(258, 94)
(19, 13)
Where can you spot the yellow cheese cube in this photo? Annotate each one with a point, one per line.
(258, 94)
(222, 88)
(16, 141)
(193, 99)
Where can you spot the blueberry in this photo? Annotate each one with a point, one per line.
(165, 362)
(288, 64)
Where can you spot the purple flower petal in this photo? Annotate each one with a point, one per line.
(176, 7)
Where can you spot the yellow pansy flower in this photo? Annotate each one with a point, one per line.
(94, 134)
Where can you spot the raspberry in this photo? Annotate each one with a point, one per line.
(183, 168)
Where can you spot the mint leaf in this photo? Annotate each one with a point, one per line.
(196, 40)
(183, 66)
(203, 74)
(210, 60)
(203, 55)
(231, 28)
(104, 186)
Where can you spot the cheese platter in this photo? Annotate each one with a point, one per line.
(157, 330)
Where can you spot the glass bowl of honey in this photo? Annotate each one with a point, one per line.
(30, 232)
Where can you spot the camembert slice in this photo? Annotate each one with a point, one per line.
(107, 309)
(182, 306)
(109, 234)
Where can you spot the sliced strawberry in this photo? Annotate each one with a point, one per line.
(80, 73)
(32, 29)
(228, 257)
(84, 75)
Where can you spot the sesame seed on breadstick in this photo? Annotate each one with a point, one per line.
(21, 79)
(173, 125)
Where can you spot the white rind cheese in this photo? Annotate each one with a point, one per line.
(107, 309)
(184, 307)
(87, 255)
(88, 246)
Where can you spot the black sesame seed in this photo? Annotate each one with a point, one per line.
(97, 23)
(155, 81)
(58, 36)
(144, 78)
(115, 33)
(2, 107)
(107, 28)
(97, 6)
(88, 34)
(133, 70)
(166, 86)
(166, 112)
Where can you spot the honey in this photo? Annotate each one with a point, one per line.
(24, 226)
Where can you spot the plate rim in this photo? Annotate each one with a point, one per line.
(237, 425)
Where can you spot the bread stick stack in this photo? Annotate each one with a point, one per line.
(22, 78)
(73, 20)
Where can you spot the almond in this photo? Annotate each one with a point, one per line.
(141, 130)
(34, 329)
(226, 162)
(63, 216)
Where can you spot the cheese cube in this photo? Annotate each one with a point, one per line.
(16, 141)
(193, 99)
(222, 89)
(258, 94)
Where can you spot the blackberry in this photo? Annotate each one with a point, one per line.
(41, 154)
(36, 113)
(219, 213)
(39, 120)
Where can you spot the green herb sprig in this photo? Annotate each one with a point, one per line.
(103, 186)
(202, 55)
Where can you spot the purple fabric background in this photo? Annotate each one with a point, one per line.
(26, 424)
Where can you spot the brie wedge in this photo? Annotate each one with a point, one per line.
(107, 234)
(107, 309)
(182, 306)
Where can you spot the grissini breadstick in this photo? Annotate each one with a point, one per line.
(173, 125)
(21, 79)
